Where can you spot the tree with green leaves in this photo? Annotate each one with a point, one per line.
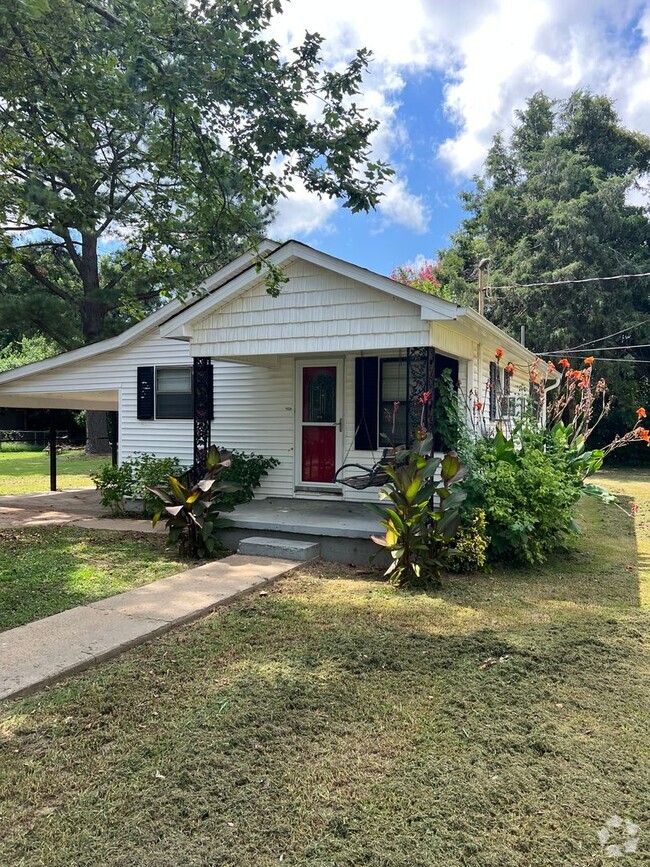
(26, 351)
(144, 143)
(553, 204)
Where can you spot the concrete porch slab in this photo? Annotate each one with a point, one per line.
(341, 529)
(312, 517)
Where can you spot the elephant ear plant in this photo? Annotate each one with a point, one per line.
(423, 516)
(193, 513)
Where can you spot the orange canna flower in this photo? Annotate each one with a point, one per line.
(641, 413)
(498, 354)
(565, 363)
(589, 360)
(510, 368)
(550, 366)
(642, 433)
(478, 406)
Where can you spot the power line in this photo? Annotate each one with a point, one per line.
(607, 336)
(619, 360)
(570, 282)
(599, 349)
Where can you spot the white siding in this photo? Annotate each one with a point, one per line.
(115, 375)
(254, 412)
(316, 311)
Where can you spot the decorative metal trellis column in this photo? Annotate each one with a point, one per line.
(420, 379)
(203, 411)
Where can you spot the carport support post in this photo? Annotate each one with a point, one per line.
(52, 450)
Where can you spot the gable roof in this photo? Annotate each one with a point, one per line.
(179, 324)
(174, 319)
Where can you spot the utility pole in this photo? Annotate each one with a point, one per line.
(482, 265)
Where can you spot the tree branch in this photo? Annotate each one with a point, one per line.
(34, 272)
(104, 13)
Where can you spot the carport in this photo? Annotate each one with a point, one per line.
(15, 397)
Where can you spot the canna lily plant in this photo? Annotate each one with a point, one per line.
(424, 513)
(193, 513)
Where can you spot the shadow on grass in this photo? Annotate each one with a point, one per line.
(301, 725)
(337, 721)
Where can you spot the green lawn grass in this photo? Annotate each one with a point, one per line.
(29, 472)
(336, 722)
(44, 570)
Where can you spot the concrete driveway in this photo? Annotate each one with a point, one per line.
(77, 506)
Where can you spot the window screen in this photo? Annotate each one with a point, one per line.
(393, 389)
(174, 398)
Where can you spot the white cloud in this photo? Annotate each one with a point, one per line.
(420, 262)
(548, 45)
(492, 56)
(301, 213)
(403, 208)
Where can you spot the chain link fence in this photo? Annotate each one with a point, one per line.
(28, 440)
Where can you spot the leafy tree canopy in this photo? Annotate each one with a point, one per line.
(145, 142)
(552, 204)
(25, 351)
(424, 276)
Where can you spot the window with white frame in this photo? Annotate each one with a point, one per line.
(174, 392)
(393, 401)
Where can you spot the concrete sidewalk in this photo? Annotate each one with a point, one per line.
(41, 652)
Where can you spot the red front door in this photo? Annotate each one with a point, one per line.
(319, 424)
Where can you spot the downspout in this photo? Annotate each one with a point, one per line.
(548, 389)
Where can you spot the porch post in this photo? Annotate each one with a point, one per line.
(52, 450)
(203, 411)
(420, 377)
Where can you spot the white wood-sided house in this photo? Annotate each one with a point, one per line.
(305, 377)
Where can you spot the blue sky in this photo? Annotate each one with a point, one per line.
(445, 77)
(381, 243)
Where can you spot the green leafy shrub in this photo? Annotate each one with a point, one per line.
(133, 478)
(113, 484)
(193, 513)
(449, 427)
(424, 514)
(246, 470)
(469, 552)
(526, 492)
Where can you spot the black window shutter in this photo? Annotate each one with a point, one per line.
(366, 403)
(494, 374)
(507, 376)
(146, 394)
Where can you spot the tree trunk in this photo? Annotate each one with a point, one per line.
(93, 313)
(97, 440)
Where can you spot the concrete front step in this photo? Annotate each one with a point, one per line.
(285, 549)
